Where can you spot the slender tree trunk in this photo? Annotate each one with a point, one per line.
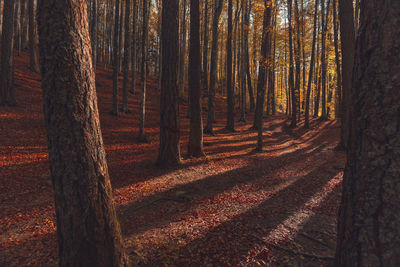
(7, 56)
(182, 50)
(116, 56)
(93, 33)
(127, 56)
(33, 64)
(347, 37)
(195, 147)
(291, 71)
(262, 71)
(133, 83)
(205, 48)
(24, 24)
(369, 218)
(242, 71)
(337, 59)
(143, 72)
(87, 227)
(247, 57)
(230, 122)
(325, 16)
(213, 73)
(310, 74)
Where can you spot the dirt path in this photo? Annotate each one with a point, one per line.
(235, 207)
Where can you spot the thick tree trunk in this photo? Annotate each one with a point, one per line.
(127, 56)
(213, 73)
(7, 56)
(369, 218)
(347, 38)
(169, 150)
(230, 122)
(87, 227)
(195, 147)
(310, 74)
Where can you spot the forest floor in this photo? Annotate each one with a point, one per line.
(235, 207)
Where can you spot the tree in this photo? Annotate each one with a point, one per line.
(291, 71)
(93, 32)
(33, 64)
(230, 122)
(262, 72)
(133, 59)
(310, 74)
(143, 73)
(116, 55)
(127, 56)
(195, 147)
(205, 48)
(7, 56)
(169, 150)
(347, 38)
(87, 227)
(213, 71)
(369, 221)
(325, 16)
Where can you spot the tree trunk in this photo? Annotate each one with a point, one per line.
(325, 17)
(116, 59)
(291, 71)
(246, 55)
(87, 227)
(262, 72)
(133, 64)
(33, 64)
(347, 37)
(169, 150)
(205, 48)
(230, 124)
(93, 33)
(310, 74)
(338, 99)
(369, 218)
(127, 56)
(7, 56)
(143, 73)
(195, 147)
(213, 73)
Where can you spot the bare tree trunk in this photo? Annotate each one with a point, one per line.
(87, 227)
(143, 72)
(213, 73)
(338, 101)
(347, 37)
(93, 33)
(291, 71)
(205, 48)
(33, 64)
(230, 122)
(195, 147)
(325, 17)
(116, 56)
(127, 56)
(310, 74)
(169, 150)
(262, 71)
(133, 64)
(7, 56)
(369, 221)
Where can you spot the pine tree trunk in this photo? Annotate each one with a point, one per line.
(87, 227)
(195, 147)
(369, 218)
(169, 150)
(7, 56)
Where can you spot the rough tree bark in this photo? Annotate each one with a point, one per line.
(169, 150)
(195, 147)
(87, 227)
(369, 218)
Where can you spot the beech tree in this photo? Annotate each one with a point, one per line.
(87, 227)
(230, 122)
(369, 218)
